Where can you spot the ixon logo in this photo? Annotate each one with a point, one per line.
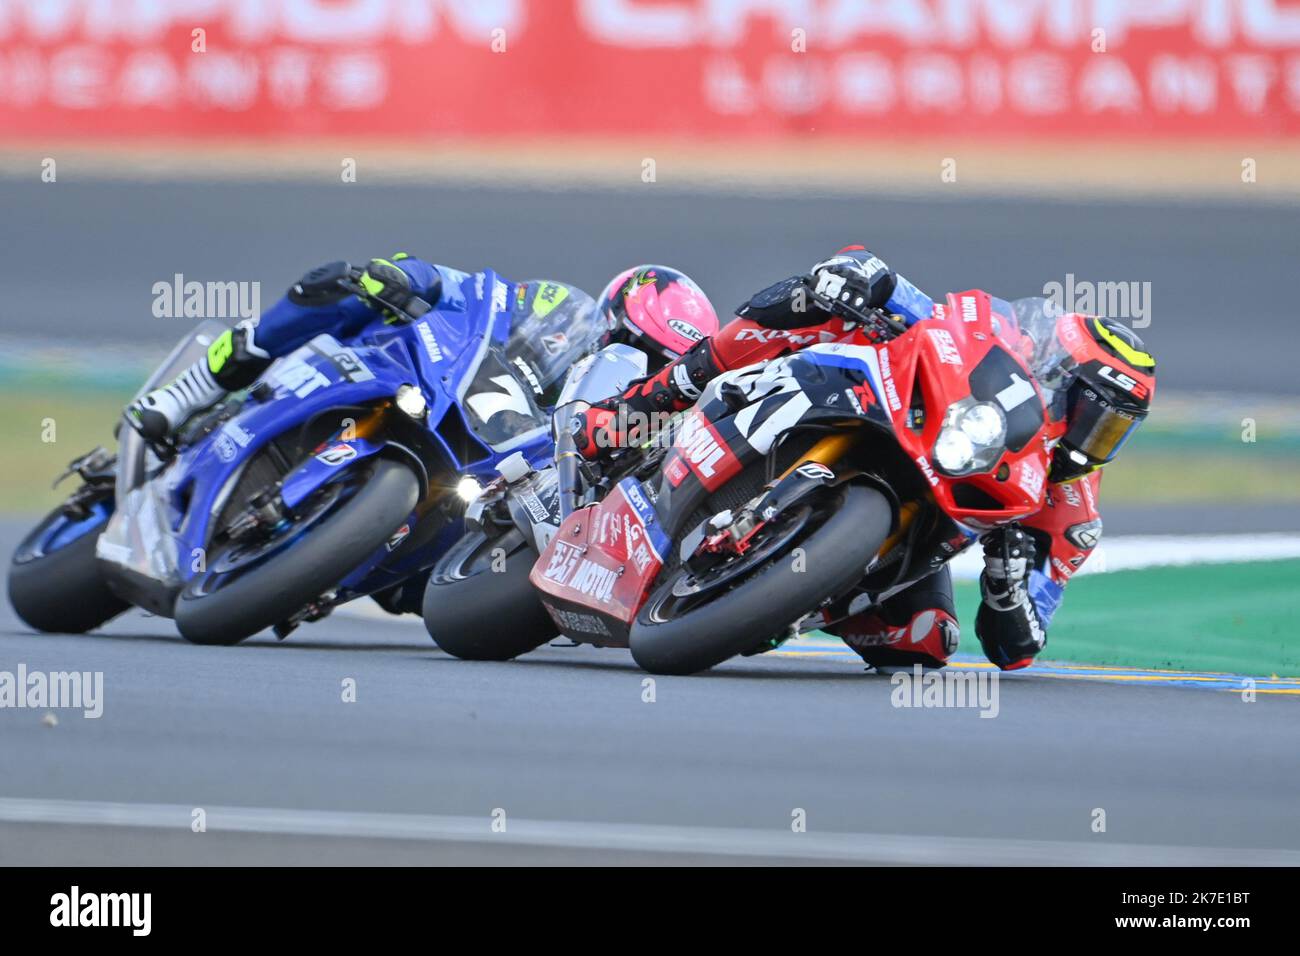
(1128, 301)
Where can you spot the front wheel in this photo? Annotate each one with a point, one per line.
(54, 581)
(479, 604)
(691, 623)
(246, 589)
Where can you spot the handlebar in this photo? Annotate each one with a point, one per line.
(411, 312)
(877, 319)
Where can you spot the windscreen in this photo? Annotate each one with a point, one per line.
(553, 325)
(1047, 357)
(603, 374)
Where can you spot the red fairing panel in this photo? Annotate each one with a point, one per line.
(942, 353)
(744, 342)
(594, 574)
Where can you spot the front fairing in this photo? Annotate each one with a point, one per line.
(967, 353)
(505, 372)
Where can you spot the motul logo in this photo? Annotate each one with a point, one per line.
(701, 448)
(593, 580)
(704, 452)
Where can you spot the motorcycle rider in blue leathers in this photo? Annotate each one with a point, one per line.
(319, 302)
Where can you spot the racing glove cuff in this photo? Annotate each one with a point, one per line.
(388, 289)
(853, 278)
(1007, 622)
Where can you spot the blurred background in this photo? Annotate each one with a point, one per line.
(1150, 147)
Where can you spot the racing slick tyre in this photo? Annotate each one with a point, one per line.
(245, 590)
(478, 614)
(690, 623)
(54, 580)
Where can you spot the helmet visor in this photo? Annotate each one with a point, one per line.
(1097, 428)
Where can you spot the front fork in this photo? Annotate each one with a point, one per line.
(732, 534)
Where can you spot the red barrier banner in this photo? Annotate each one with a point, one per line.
(453, 68)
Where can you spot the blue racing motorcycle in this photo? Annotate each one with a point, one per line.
(343, 471)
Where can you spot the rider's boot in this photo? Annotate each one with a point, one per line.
(928, 637)
(232, 362)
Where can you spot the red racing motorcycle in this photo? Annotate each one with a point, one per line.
(802, 490)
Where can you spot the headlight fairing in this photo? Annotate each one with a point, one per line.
(972, 438)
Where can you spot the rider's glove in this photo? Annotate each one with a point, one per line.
(388, 290)
(595, 433)
(853, 280)
(1008, 559)
(1007, 623)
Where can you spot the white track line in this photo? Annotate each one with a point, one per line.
(623, 837)
(1134, 551)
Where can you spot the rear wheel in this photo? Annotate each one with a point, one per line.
(54, 580)
(693, 621)
(249, 587)
(479, 604)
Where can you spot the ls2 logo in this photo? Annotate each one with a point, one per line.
(1126, 382)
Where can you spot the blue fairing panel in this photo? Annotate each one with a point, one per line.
(1046, 595)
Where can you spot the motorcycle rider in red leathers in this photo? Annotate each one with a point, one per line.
(1026, 564)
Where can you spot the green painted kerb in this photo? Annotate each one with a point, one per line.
(1238, 618)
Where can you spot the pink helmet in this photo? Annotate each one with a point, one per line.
(659, 310)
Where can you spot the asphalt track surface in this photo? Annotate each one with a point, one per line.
(562, 741)
(586, 771)
(80, 258)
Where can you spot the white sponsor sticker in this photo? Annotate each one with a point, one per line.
(946, 346)
(431, 347)
(1031, 478)
(929, 471)
(337, 454)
